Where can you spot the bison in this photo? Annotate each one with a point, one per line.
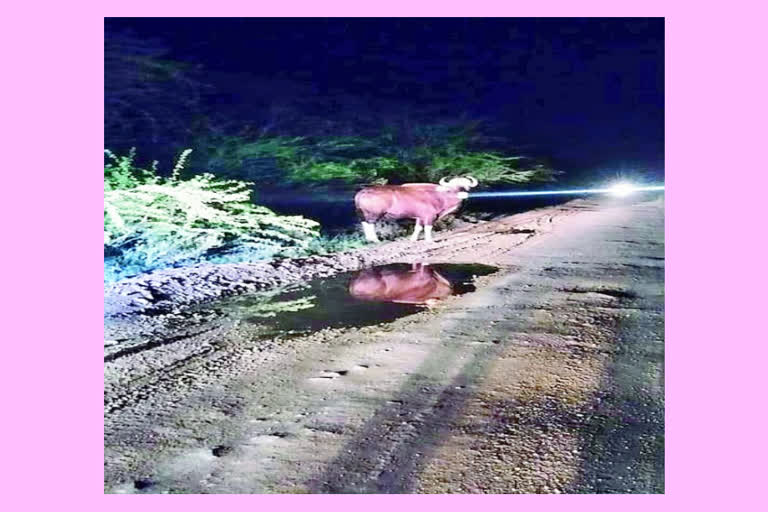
(423, 202)
(419, 285)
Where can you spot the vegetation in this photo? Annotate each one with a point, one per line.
(312, 161)
(276, 135)
(330, 244)
(253, 158)
(153, 222)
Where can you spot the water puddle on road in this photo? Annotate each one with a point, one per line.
(355, 299)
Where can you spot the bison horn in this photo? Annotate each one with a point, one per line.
(444, 182)
(472, 181)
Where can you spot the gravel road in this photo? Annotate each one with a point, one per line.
(549, 378)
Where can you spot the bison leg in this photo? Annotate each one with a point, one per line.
(428, 233)
(416, 231)
(370, 232)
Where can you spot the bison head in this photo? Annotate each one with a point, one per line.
(460, 183)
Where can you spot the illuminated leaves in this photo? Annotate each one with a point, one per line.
(155, 222)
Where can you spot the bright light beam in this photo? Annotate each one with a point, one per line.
(619, 190)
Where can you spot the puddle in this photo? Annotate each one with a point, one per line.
(356, 299)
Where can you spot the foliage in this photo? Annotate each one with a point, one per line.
(436, 153)
(275, 132)
(120, 173)
(152, 222)
(358, 170)
(330, 244)
(486, 167)
(259, 159)
(420, 153)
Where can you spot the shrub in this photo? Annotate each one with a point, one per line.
(152, 222)
(120, 173)
(358, 170)
(487, 167)
(330, 244)
(433, 154)
(260, 159)
(422, 153)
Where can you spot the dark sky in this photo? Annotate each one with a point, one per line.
(588, 92)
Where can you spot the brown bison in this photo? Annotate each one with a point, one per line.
(419, 285)
(423, 202)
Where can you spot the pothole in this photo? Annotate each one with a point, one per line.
(143, 483)
(371, 296)
(221, 451)
(610, 292)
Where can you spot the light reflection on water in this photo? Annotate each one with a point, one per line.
(356, 299)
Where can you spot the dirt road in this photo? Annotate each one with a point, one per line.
(547, 379)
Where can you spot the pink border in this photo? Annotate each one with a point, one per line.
(54, 60)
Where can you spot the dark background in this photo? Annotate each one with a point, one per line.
(586, 94)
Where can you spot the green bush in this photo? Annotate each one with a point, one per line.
(330, 244)
(428, 155)
(259, 159)
(426, 164)
(358, 170)
(486, 167)
(152, 222)
(415, 153)
(120, 173)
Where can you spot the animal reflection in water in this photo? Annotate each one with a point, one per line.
(420, 285)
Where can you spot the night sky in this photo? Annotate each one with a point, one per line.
(586, 93)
